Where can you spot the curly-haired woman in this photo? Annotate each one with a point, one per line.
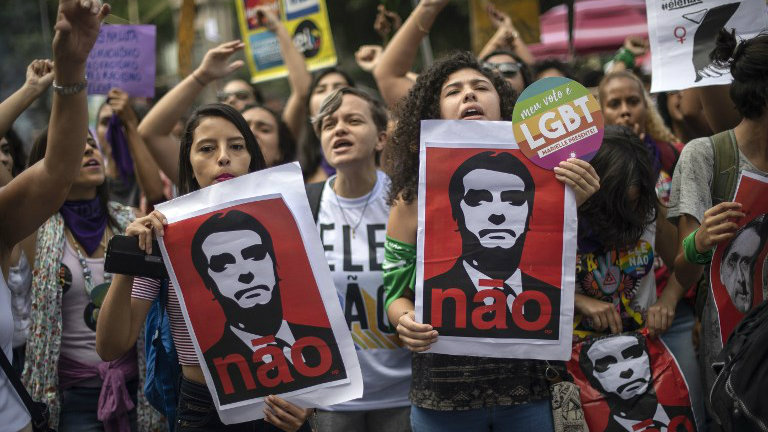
(457, 392)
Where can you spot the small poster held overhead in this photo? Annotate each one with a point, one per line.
(683, 33)
(307, 23)
(257, 296)
(123, 57)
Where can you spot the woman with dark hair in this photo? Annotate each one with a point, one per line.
(12, 152)
(68, 287)
(618, 224)
(216, 146)
(500, 393)
(275, 140)
(313, 163)
(701, 197)
(352, 127)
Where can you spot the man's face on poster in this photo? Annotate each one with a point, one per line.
(495, 207)
(737, 267)
(240, 266)
(621, 366)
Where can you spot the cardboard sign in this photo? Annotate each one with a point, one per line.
(496, 245)
(683, 34)
(306, 21)
(556, 119)
(738, 274)
(257, 295)
(123, 57)
(630, 382)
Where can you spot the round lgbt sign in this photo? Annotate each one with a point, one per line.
(556, 119)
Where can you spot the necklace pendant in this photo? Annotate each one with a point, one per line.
(353, 233)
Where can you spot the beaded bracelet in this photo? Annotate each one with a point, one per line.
(692, 255)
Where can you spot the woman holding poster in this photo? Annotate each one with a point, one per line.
(458, 392)
(352, 216)
(216, 146)
(704, 186)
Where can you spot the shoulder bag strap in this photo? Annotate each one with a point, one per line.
(34, 409)
(314, 195)
(726, 166)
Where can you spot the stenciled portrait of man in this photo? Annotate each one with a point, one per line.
(259, 352)
(619, 367)
(739, 262)
(491, 196)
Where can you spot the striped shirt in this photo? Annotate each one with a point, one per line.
(148, 289)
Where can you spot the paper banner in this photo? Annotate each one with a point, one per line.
(496, 245)
(257, 295)
(683, 34)
(630, 382)
(123, 57)
(306, 22)
(738, 274)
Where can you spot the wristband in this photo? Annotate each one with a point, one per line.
(692, 255)
(625, 56)
(69, 90)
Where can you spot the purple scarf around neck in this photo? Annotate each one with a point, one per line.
(87, 221)
(120, 151)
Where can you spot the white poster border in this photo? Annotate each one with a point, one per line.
(285, 182)
(494, 134)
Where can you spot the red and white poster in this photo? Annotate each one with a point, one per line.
(496, 246)
(257, 296)
(738, 273)
(630, 383)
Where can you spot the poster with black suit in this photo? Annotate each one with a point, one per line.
(257, 296)
(682, 34)
(496, 245)
(631, 383)
(739, 274)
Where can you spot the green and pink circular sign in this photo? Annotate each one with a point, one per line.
(556, 119)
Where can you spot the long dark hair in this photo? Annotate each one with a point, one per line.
(422, 103)
(749, 67)
(285, 141)
(17, 152)
(623, 161)
(187, 181)
(102, 191)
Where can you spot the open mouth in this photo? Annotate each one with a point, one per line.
(91, 162)
(341, 144)
(472, 113)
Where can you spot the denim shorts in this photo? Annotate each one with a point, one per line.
(196, 412)
(79, 406)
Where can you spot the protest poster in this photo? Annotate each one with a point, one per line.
(682, 34)
(555, 119)
(631, 382)
(123, 57)
(738, 274)
(257, 295)
(306, 22)
(496, 245)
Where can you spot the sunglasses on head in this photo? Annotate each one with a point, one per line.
(508, 69)
(239, 94)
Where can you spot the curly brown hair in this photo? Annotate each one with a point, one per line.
(423, 103)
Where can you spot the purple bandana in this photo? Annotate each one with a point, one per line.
(87, 221)
(120, 151)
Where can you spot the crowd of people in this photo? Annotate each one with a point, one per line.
(74, 332)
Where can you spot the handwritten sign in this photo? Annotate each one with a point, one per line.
(306, 21)
(556, 119)
(123, 57)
